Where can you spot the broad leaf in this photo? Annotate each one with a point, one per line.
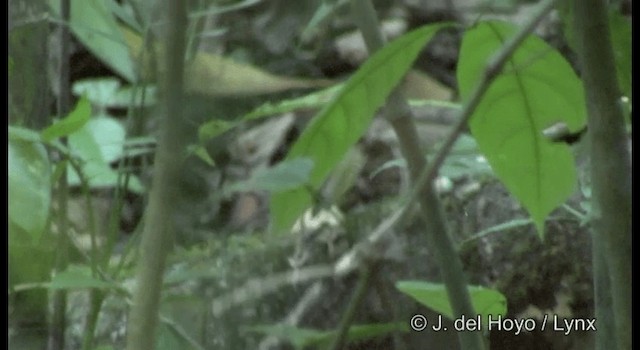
(29, 187)
(434, 296)
(97, 144)
(536, 89)
(340, 124)
(93, 24)
(98, 91)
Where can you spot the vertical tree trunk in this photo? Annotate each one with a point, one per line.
(610, 174)
(157, 236)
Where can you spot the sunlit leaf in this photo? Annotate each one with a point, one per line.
(107, 92)
(98, 91)
(338, 126)
(536, 89)
(97, 144)
(71, 123)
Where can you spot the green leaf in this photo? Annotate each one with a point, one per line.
(71, 123)
(536, 89)
(298, 337)
(93, 24)
(97, 144)
(341, 123)
(212, 129)
(106, 92)
(284, 176)
(316, 99)
(201, 152)
(77, 277)
(367, 331)
(29, 187)
(301, 338)
(324, 13)
(98, 91)
(434, 296)
(18, 133)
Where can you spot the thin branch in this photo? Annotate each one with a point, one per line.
(58, 317)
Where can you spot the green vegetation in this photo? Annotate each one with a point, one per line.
(186, 259)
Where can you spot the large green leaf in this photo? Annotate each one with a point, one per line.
(29, 188)
(434, 296)
(536, 89)
(343, 121)
(93, 24)
(97, 144)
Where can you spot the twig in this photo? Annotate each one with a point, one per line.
(355, 302)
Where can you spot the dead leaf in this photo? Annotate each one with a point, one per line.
(214, 75)
(420, 86)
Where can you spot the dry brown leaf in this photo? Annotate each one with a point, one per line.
(420, 86)
(214, 75)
